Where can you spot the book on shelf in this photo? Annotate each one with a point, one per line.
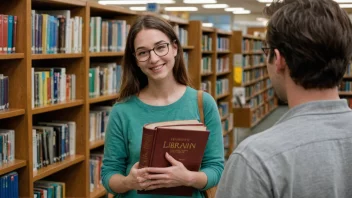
(8, 31)
(44, 188)
(7, 146)
(184, 140)
(4, 92)
(9, 185)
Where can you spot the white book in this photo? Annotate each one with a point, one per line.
(34, 146)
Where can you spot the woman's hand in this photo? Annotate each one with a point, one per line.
(136, 179)
(175, 175)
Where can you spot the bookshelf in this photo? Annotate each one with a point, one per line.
(251, 82)
(206, 71)
(23, 113)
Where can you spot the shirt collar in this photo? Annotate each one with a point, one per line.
(316, 108)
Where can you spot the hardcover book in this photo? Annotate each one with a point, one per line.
(184, 140)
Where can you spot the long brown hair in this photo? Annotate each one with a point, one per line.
(133, 79)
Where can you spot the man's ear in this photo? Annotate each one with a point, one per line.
(279, 61)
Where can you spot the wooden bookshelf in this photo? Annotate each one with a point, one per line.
(11, 166)
(55, 56)
(56, 167)
(97, 193)
(105, 54)
(11, 56)
(55, 107)
(96, 143)
(103, 98)
(11, 113)
(247, 116)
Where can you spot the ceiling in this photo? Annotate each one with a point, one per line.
(253, 5)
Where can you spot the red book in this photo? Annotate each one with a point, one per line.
(184, 140)
(4, 31)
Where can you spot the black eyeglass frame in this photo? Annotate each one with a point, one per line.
(168, 50)
(266, 50)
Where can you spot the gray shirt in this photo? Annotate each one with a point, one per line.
(307, 153)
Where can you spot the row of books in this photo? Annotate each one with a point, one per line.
(8, 31)
(107, 35)
(52, 85)
(223, 108)
(205, 66)
(222, 86)
(9, 185)
(222, 64)
(207, 44)
(7, 146)
(345, 86)
(254, 74)
(98, 120)
(257, 87)
(263, 110)
(249, 45)
(49, 189)
(104, 78)
(182, 34)
(95, 164)
(249, 60)
(227, 124)
(261, 98)
(205, 85)
(4, 92)
(223, 44)
(53, 142)
(349, 70)
(54, 31)
(185, 58)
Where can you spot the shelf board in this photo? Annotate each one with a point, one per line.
(55, 56)
(106, 54)
(54, 107)
(253, 37)
(103, 98)
(254, 67)
(11, 56)
(259, 92)
(9, 113)
(11, 166)
(345, 93)
(96, 143)
(223, 52)
(223, 118)
(223, 73)
(223, 32)
(253, 52)
(207, 52)
(347, 76)
(56, 167)
(255, 81)
(110, 8)
(61, 2)
(207, 73)
(222, 96)
(187, 47)
(98, 192)
(207, 29)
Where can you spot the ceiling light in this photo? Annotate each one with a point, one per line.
(233, 9)
(136, 2)
(199, 1)
(345, 5)
(138, 8)
(207, 24)
(211, 6)
(343, 1)
(265, 1)
(181, 8)
(242, 12)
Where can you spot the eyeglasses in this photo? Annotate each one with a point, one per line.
(160, 50)
(266, 50)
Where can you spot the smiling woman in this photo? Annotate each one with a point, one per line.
(155, 88)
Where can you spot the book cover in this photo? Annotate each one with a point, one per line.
(184, 140)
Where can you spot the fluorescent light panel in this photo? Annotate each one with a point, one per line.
(345, 5)
(233, 9)
(199, 1)
(136, 2)
(181, 8)
(213, 6)
(138, 8)
(207, 24)
(242, 12)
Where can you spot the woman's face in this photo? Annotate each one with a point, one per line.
(158, 64)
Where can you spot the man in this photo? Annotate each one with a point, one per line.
(308, 152)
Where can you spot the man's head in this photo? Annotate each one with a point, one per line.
(309, 41)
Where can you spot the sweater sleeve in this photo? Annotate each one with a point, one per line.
(115, 154)
(213, 160)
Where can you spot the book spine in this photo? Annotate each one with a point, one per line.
(14, 34)
(147, 147)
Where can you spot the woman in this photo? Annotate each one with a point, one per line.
(155, 88)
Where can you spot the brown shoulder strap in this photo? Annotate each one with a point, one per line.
(200, 106)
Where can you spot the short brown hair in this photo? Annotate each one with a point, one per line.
(133, 79)
(314, 37)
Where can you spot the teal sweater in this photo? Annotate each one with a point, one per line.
(124, 135)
